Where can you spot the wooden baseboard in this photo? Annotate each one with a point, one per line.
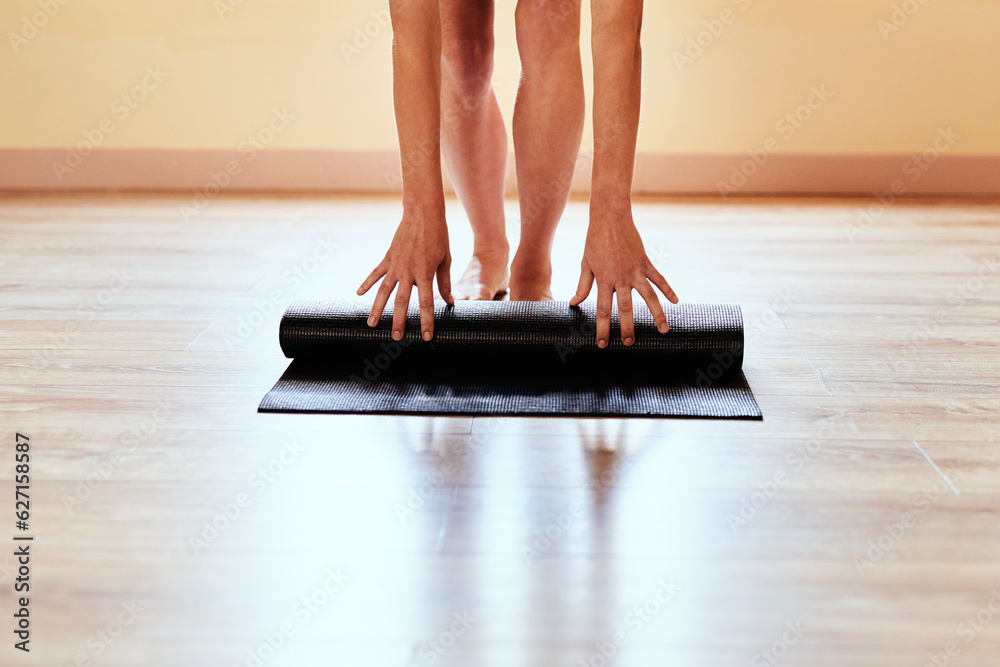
(213, 172)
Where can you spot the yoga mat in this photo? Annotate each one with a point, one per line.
(512, 358)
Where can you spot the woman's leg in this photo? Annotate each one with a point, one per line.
(474, 141)
(548, 126)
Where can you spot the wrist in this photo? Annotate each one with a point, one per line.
(614, 205)
(611, 190)
(426, 206)
(425, 219)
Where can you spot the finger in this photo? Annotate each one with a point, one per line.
(373, 277)
(605, 296)
(585, 285)
(648, 295)
(426, 294)
(400, 307)
(444, 280)
(657, 278)
(625, 314)
(381, 298)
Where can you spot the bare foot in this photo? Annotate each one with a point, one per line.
(530, 281)
(485, 278)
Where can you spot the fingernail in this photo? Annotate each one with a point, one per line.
(627, 341)
(427, 335)
(602, 343)
(663, 327)
(371, 321)
(397, 335)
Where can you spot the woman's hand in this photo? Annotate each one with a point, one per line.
(418, 252)
(615, 258)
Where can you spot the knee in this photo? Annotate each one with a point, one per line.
(468, 61)
(547, 29)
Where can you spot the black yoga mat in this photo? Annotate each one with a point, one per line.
(512, 358)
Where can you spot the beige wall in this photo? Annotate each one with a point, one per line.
(226, 73)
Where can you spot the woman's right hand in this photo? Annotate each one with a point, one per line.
(419, 252)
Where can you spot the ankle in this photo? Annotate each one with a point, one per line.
(532, 262)
(531, 270)
(491, 248)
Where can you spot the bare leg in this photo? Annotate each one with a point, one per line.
(474, 141)
(548, 126)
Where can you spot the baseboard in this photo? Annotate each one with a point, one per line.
(212, 172)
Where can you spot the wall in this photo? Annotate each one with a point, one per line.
(225, 66)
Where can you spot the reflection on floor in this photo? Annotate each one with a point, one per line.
(856, 525)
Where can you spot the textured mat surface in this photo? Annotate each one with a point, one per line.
(512, 358)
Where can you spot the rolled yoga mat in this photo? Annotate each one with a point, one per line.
(512, 358)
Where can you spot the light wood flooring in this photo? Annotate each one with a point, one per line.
(863, 512)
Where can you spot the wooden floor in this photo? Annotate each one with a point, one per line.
(858, 524)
